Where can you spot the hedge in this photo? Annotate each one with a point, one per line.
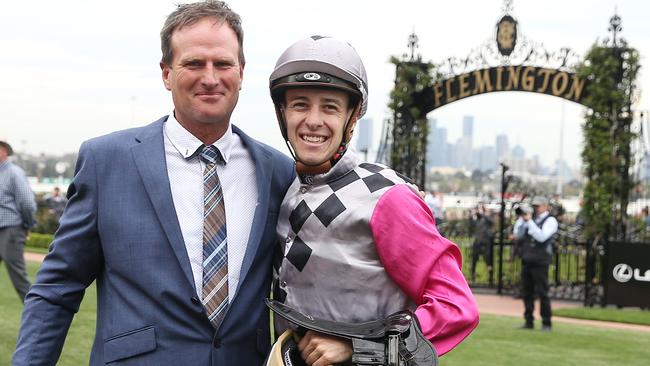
(37, 240)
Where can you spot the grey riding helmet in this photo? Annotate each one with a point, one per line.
(321, 62)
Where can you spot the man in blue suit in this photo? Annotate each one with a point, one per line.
(140, 222)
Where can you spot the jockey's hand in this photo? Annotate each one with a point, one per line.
(318, 349)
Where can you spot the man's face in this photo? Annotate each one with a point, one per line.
(540, 209)
(205, 75)
(315, 120)
(4, 154)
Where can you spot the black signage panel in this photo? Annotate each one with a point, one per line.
(554, 82)
(627, 274)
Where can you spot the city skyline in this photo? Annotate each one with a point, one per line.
(464, 152)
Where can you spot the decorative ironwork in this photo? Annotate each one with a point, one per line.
(508, 47)
(413, 46)
(526, 53)
(615, 27)
(507, 7)
(506, 36)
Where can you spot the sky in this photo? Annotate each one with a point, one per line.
(72, 70)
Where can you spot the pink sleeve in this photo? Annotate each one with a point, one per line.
(425, 265)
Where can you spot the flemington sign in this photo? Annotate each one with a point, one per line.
(506, 47)
(554, 82)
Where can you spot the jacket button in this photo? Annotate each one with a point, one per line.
(195, 300)
(216, 342)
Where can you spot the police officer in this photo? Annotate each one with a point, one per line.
(536, 235)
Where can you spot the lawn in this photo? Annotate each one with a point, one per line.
(80, 337)
(495, 342)
(625, 315)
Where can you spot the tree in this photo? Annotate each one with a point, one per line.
(606, 155)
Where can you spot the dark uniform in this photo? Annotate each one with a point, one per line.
(535, 260)
(481, 225)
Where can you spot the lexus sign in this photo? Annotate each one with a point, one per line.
(628, 274)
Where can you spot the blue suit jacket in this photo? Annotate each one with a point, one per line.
(120, 229)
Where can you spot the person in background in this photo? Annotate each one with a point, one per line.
(481, 227)
(433, 199)
(55, 203)
(536, 235)
(556, 208)
(17, 209)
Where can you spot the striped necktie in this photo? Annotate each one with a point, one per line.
(215, 240)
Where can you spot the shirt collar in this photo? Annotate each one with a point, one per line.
(349, 161)
(187, 144)
(4, 164)
(541, 216)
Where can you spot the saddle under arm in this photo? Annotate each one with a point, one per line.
(394, 341)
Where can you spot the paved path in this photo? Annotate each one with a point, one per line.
(34, 257)
(497, 305)
(509, 306)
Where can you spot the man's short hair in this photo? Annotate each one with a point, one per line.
(188, 14)
(7, 147)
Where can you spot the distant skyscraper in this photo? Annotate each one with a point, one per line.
(452, 160)
(465, 144)
(487, 158)
(441, 157)
(517, 159)
(502, 147)
(364, 135)
(436, 145)
(518, 152)
(468, 126)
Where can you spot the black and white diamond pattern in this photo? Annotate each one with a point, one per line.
(376, 182)
(298, 216)
(299, 253)
(374, 177)
(345, 180)
(373, 168)
(329, 209)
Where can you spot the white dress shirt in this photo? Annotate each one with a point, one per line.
(548, 229)
(540, 234)
(239, 186)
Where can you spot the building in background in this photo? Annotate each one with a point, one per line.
(502, 147)
(363, 133)
(437, 154)
(465, 144)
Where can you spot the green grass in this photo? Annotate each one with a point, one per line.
(625, 315)
(79, 341)
(494, 342)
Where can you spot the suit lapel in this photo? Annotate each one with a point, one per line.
(263, 169)
(150, 160)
